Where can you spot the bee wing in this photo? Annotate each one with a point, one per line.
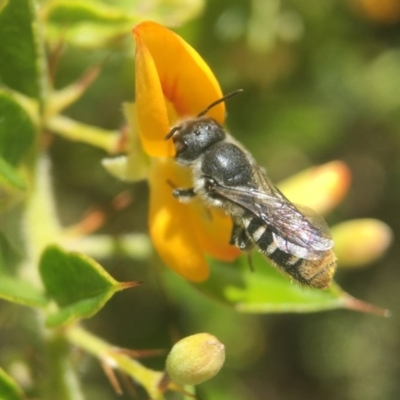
(299, 231)
(313, 236)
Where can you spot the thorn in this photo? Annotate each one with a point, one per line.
(91, 74)
(55, 55)
(112, 377)
(95, 217)
(91, 222)
(123, 145)
(164, 382)
(122, 201)
(128, 384)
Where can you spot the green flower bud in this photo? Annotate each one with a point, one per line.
(195, 359)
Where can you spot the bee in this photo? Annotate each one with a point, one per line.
(225, 175)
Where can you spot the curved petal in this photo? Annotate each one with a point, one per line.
(152, 115)
(186, 80)
(173, 225)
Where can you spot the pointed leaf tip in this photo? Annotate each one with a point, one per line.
(128, 285)
(78, 284)
(265, 290)
(351, 303)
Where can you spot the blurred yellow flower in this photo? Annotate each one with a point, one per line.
(383, 11)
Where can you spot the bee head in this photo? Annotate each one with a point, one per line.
(192, 137)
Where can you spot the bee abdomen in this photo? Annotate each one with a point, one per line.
(315, 273)
(319, 273)
(260, 234)
(264, 239)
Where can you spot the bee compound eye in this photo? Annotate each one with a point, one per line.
(210, 182)
(181, 145)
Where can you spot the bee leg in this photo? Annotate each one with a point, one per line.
(239, 238)
(250, 260)
(184, 195)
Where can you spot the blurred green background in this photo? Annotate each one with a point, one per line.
(321, 82)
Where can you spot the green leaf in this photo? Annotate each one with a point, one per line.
(265, 290)
(11, 288)
(21, 292)
(19, 66)
(17, 130)
(78, 284)
(94, 24)
(10, 176)
(70, 12)
(89, 24)
(10, 257)
(172, 12)
(9, 389)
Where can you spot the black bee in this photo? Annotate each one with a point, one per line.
(226, 175)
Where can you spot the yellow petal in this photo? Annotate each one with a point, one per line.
(173, 225)
(152, 115)
(214, 231)
(320, 188)
(212, 226)
(186, 80)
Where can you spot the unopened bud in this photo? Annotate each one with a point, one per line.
(360, 241)
(320, 188)
(195, 359)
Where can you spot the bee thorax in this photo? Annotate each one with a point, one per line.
(228, 164)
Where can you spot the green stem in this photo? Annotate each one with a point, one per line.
(73, 130)
(62, 383)
(41, 222)
(110, 356)
(63, 98)
(42, 227)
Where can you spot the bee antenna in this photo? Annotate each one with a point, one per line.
(226, 97)
(171, 132)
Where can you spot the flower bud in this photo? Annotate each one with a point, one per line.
(195, 359)
(320, 188)
(360, 241)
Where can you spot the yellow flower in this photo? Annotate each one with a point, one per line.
(173, 82)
